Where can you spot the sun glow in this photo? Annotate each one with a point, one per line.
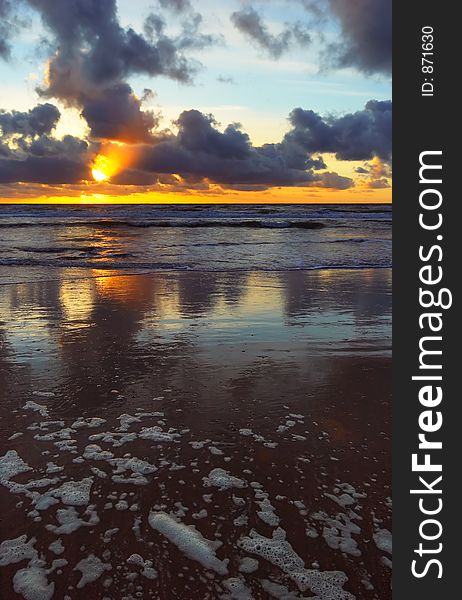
(103, 168)
(114, 158)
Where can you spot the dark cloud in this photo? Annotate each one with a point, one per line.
(29, 153)
(200, 151)
(92, 56)
(356, 136)
(250, 23)
(364, 43)
(69, 146)
(42, 169)
(116, 114)
(40, 120)
(88, 37)
(367, 35)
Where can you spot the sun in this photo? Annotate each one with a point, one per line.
(103, 168)
(99, 175)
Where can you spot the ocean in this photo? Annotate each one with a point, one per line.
(46, 241)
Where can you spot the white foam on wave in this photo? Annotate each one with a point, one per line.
(267, 511)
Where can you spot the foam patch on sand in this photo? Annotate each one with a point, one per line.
(189, 541)
(277, 550)
(91, 568)
(11, 464)
(223, 480)
(248, 565)
(69, 520)
(147, 569)
(16, 550)
(74, 493)
(40, 408)
(267, 511)
(237, 590)
(32, 582)
(383, 540)
(56, 547)
(280, 592)
(90, 422)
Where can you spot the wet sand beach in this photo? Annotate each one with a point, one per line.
(197, 435)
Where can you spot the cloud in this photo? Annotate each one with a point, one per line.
(376, 184)
(9, 24)
(334, 181)
(250, 23)
(116, 114)
(201, 152)
(40, 120)
(356, 136)
(92, 56)
(29, 152)
(177, 6)
(365, 42)
(43, 169)
(367, 35)
(375, 174)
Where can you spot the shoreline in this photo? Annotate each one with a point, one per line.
(121, 272)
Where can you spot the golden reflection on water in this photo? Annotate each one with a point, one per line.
(339, 310)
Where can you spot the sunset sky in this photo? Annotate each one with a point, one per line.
(195, 101)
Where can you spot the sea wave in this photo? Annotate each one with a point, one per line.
(108, 223)
(156, 266)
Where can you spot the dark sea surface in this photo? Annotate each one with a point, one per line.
(37, 241)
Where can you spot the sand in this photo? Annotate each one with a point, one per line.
(234, 406)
